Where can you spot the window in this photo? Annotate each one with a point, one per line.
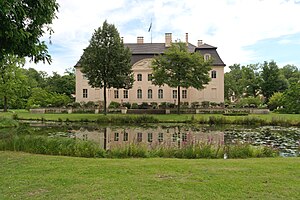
(174, 94)
(150, 137)
(125, 94)
(139, 94)
(160, 137)
(139, 137)
(149, 77)
(213, 74)
(85, 93)
(206, 57)
(184, 94)
(125, 138)
(184, 137)
(139, 77)
(160, 94)
(116, 94)
(174, 137)
(116, 137)
(149, 94)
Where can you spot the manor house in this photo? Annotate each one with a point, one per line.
(143, 90)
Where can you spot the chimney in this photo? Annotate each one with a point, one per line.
(187, 39)
(122, 39)
(168, 39)
(200, 42)
(140, 40)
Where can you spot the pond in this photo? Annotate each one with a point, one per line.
(285, 139)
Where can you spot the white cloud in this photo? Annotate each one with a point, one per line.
(230, 25)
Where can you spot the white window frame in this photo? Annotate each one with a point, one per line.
(85, 93)
(184, 94)
(160, 94)
(139, 94)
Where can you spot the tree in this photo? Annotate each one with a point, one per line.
(22, 23)
(275, 101)
(61, 84)
(231, 82)
(11, 78)
(177, 67)
(271, 80)
(291, 73)
(291, 99)
(106, 62)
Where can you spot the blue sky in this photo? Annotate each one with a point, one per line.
(245, 31)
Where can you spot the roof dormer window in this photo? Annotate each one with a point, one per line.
(207, 56)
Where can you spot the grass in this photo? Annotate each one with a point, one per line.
(79, 148)
(27, 176)
(23, 114)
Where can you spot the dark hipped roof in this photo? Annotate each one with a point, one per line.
(151, 48)
(148, 50)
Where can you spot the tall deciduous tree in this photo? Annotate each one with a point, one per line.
(22, 23)
(271, 80)
(177, 67)
(11, 78)
(106, 62)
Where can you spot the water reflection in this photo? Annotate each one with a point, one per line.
(110, 137)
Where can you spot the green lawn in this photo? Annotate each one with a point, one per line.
(27, 176)
(162, 118)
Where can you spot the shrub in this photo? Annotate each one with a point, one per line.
(126, 104)
(154, 105)
(144, 105)
(76, 105)
(89, 104)
(134, 106)
(114, 104)
(205, 104)
(195, 104)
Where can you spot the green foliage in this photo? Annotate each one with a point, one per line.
(195, 105)
(205, 104)
(42, 98)
(134, 106)
(7, 122)
(13, 85)
(126, 104)
(242, 80)
(248, 102)
(144, 105)
(291, 99)
(179, 68)
(61, 84)
(275, 101)
(127, 119)
(106, 62)
(22, 24)
(114, 104)
(271, 80)
(89, 105)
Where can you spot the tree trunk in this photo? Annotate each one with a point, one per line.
(104, 88)
(178, 99)
(5, 104)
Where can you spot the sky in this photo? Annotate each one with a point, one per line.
(245, 31)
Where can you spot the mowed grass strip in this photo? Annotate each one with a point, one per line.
(24, 114)
(28, 176)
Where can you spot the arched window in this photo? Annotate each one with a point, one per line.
(206, 56)
(213, 74)
(160, 94)
(150, 94)
(139, 94)
(139, 77)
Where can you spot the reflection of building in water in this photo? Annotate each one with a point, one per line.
(175, 136)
